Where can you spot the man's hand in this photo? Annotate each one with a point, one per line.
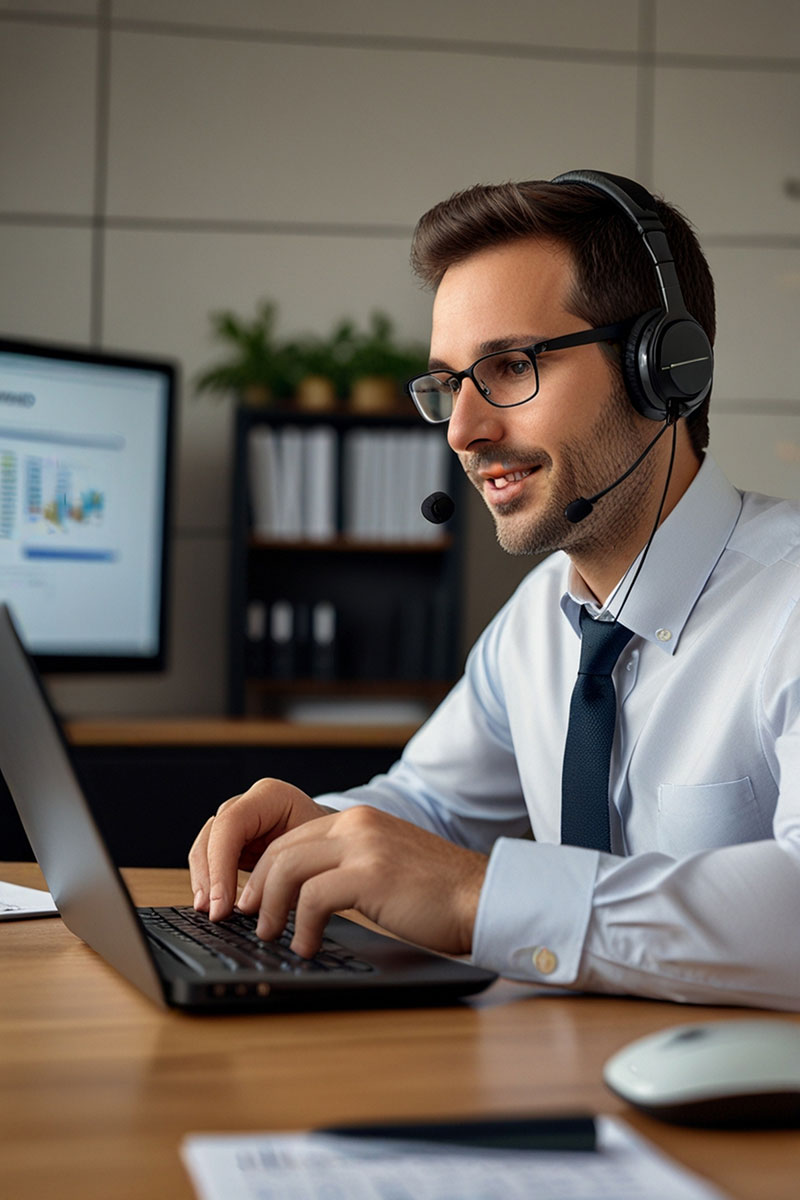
(306, 858)
(403, 878)
(236, 837)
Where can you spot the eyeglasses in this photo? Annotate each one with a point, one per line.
(504, 379)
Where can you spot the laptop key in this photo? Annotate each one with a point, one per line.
(208, 952)
(235, 943)
(203, 962)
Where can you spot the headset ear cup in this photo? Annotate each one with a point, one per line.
(641, 330)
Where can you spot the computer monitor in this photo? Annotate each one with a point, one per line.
(85, 480)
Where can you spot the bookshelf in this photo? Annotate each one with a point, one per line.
(341, 594)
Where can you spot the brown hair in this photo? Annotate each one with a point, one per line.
(614, 274)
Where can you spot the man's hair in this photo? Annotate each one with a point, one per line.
(614, 276)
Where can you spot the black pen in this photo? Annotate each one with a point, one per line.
(572, 1131)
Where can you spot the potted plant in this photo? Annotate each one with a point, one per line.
(379, 365)
(320, 367)
(258, 368)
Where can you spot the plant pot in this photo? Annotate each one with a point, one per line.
(316, 393)
(373, 394)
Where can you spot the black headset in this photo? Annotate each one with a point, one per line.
(667, 360)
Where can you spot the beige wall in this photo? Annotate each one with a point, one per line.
(163, 158)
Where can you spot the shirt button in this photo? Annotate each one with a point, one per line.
(544, 960)
(664, 635)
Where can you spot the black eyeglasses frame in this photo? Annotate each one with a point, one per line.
(585, 337)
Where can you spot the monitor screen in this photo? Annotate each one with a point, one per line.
(85, 458)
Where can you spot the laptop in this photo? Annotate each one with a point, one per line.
(173, 954)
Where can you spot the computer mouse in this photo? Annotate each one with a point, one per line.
(715, 1073)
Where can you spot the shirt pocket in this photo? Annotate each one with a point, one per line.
(694, 817)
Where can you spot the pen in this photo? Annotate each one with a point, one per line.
(572, 1131)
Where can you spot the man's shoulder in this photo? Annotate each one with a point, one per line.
(768, 530)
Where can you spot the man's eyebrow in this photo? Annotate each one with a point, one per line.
(491, 346)
(515, 342)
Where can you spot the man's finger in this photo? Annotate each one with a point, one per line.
(325, 894)
(236, 825)
(198, 867)
(282, 872)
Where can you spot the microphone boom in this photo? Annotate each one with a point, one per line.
(580, 508)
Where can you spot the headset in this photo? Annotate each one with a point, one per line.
(667, 359)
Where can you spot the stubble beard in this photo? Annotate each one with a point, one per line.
(586, 466)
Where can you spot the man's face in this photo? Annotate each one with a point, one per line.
(579, 432)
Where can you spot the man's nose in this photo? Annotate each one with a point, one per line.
(473, 419)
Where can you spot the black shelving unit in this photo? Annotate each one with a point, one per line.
(396, 599)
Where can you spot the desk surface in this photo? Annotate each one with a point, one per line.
(98, 1087)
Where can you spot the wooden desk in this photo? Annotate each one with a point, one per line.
(98, 1087)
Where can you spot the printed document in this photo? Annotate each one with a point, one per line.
(321, 1166)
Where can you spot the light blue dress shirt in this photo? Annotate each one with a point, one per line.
(699, 899)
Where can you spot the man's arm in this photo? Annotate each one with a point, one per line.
(457, 777)
(409, 849)
(712, 927)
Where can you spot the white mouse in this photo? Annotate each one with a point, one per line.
(737, 1072)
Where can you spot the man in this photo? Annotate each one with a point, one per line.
(461, 846)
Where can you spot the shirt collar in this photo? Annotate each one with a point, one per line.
(682, 556)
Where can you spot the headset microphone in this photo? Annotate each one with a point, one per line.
(437, 508)
(578, 509)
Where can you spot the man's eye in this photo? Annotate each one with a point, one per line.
(514, 368)
(519, 367)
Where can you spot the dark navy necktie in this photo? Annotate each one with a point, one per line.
(587, 754)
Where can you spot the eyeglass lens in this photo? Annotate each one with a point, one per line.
(506, 378)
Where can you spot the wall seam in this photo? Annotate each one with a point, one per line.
(645, 94)
(98, 248)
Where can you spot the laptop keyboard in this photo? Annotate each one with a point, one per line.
(233, 945)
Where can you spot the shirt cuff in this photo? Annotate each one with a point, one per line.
(534, 910)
